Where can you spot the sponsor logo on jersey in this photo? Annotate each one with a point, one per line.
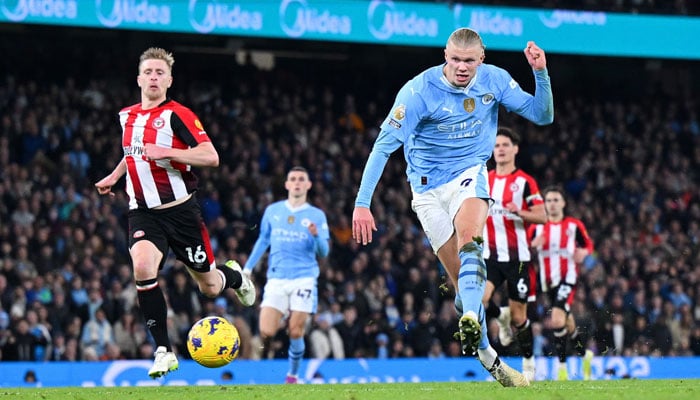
(394, 123)
(469, 105)
(158, 123)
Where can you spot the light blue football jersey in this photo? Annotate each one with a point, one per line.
(285, 232)
(445, 130)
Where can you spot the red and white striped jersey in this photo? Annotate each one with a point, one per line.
(505, 235)
(152, 183)
(556, 254)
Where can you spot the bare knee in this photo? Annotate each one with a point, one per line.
(296, 332)
(267, 333)
(518, 313)
(144, 270)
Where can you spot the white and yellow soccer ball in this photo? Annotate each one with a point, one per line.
(213, 342)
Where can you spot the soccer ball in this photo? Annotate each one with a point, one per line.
(213, 342)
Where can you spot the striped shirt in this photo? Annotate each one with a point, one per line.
(556, 254)
(505, 233)
(152, 183)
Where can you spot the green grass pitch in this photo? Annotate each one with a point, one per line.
(632, 389)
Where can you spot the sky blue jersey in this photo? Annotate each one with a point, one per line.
(293, 250)
(445, 129)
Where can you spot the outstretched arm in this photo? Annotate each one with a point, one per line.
(362, 219)
(104, 186)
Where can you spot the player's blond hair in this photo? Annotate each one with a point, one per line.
(466, 37)
(156, 53)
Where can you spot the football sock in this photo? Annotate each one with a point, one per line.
(576, 341)
(296, 353)
(458, 304)
(523, 334)
(560, 337)
(487, 356)
(492, 311)
(267, 342)
(154, 310)
(471, 282)
(232, 279)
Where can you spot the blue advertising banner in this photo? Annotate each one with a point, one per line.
(135, 373)
(378, 21)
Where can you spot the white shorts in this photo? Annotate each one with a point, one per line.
(436, 208)
(291, 295)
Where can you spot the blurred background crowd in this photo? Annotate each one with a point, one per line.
(625, 144)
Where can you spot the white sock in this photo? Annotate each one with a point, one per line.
(487, 356)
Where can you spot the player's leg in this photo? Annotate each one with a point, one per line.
(471, 328)
(147, 245)
(274, 305)
(560, 340)
(190, 242)
(563, 295)
(297, 346)
(302, 303)
(437, 219)
(494, 278)
(471, 277)
(519, 288)
(270, 319)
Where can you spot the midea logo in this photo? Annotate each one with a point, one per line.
(392, 22)
(224, 16)
(19, 10)
(560, 17)
(308, 19)
(132, 11)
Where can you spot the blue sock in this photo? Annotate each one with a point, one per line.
(458, 304)
(296, 353)
(472, 282)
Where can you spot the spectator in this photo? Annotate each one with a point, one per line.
(325, 340)
(97, 333)
(350, 330)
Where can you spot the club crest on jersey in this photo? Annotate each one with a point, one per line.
(487, 99)
(139, 234)
(469, 105)
(305, 222)
(400, 112)
(290, 219)
(514, 187)
(158, 123)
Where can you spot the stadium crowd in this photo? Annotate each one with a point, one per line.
(629, 163)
